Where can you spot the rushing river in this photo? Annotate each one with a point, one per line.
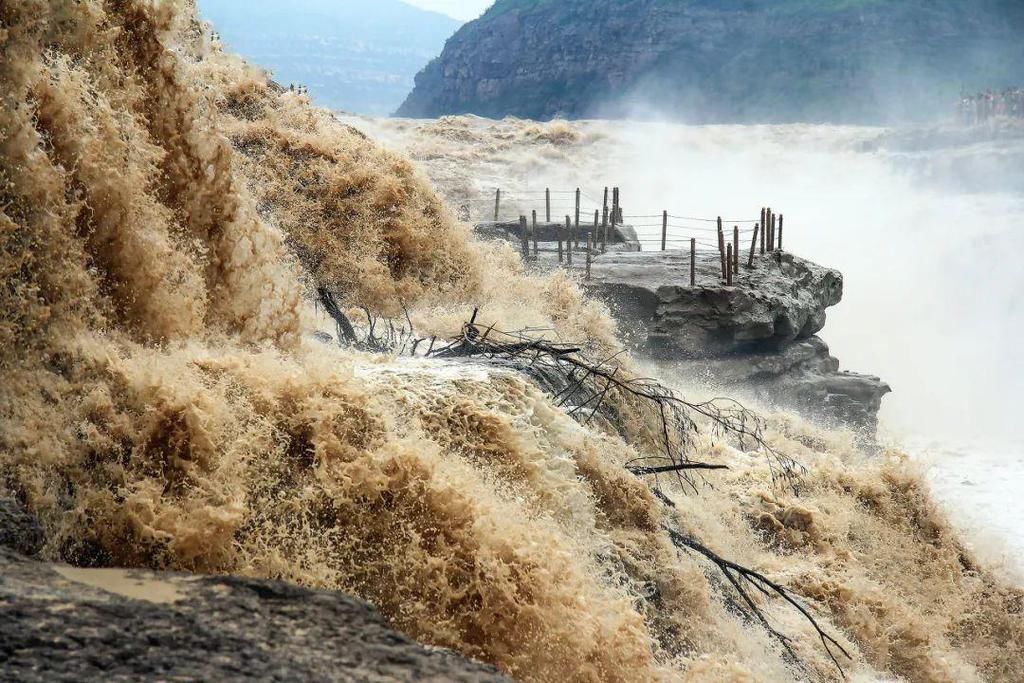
(926, 227)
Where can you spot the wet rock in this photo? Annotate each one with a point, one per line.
(781, 299)
(757, 335)
(19, 530)
(64, 624)
(801, 376)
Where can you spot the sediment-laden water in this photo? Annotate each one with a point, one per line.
(165, 215)
(924, 224)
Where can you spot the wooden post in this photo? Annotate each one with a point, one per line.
(721, 248)
(781, 217)
(568, 242)
(771, 230)
(590, 243)
(604, 224)
(693, 261)
(559, 232)
(764, 229)
(595, 233)
(577, 216)
(497, 203)
(615, 206)
(547, 204)
(535, 250)
(728, 270)
(753, 245)
(735, 260)
(604, 204)
(524, 239)
(664, 229)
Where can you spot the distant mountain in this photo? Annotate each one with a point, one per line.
(354, 55)
(869, 61)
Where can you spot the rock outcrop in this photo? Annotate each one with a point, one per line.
(756, 335)
(781, 299)
(19, 531)
(68, 624)
(723, 60)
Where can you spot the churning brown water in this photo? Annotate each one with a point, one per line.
(163, 211)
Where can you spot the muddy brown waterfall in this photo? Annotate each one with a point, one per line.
(166, 215)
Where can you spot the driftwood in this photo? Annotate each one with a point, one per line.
(587, 385)
(380, 335)
(741, 579)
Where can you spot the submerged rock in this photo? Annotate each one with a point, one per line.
(69, 624)
(19, 530)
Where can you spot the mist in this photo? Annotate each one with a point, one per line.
(932, 293)
(932, 298)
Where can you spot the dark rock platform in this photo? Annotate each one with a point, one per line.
(758, 334)
(60, 623)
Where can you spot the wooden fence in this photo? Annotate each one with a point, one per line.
(677, 231)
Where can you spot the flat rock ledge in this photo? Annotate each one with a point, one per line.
(781, 299)
(756, 334)
(68, 624)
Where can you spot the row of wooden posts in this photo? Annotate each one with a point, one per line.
(569, 236)
(768, 229)
(612, 213)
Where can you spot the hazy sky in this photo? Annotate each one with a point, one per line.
(460, 9)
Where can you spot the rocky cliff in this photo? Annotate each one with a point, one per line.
(757, 336)
(723, 60)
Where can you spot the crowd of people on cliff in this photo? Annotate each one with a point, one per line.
(991, 104)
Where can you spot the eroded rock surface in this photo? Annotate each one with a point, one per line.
(19, 530)
(781, 299)
(802, 376)
(68, 624)
(757, 334)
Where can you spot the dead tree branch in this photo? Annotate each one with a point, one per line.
(740, 577)
(582, 386)
(345, 329)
